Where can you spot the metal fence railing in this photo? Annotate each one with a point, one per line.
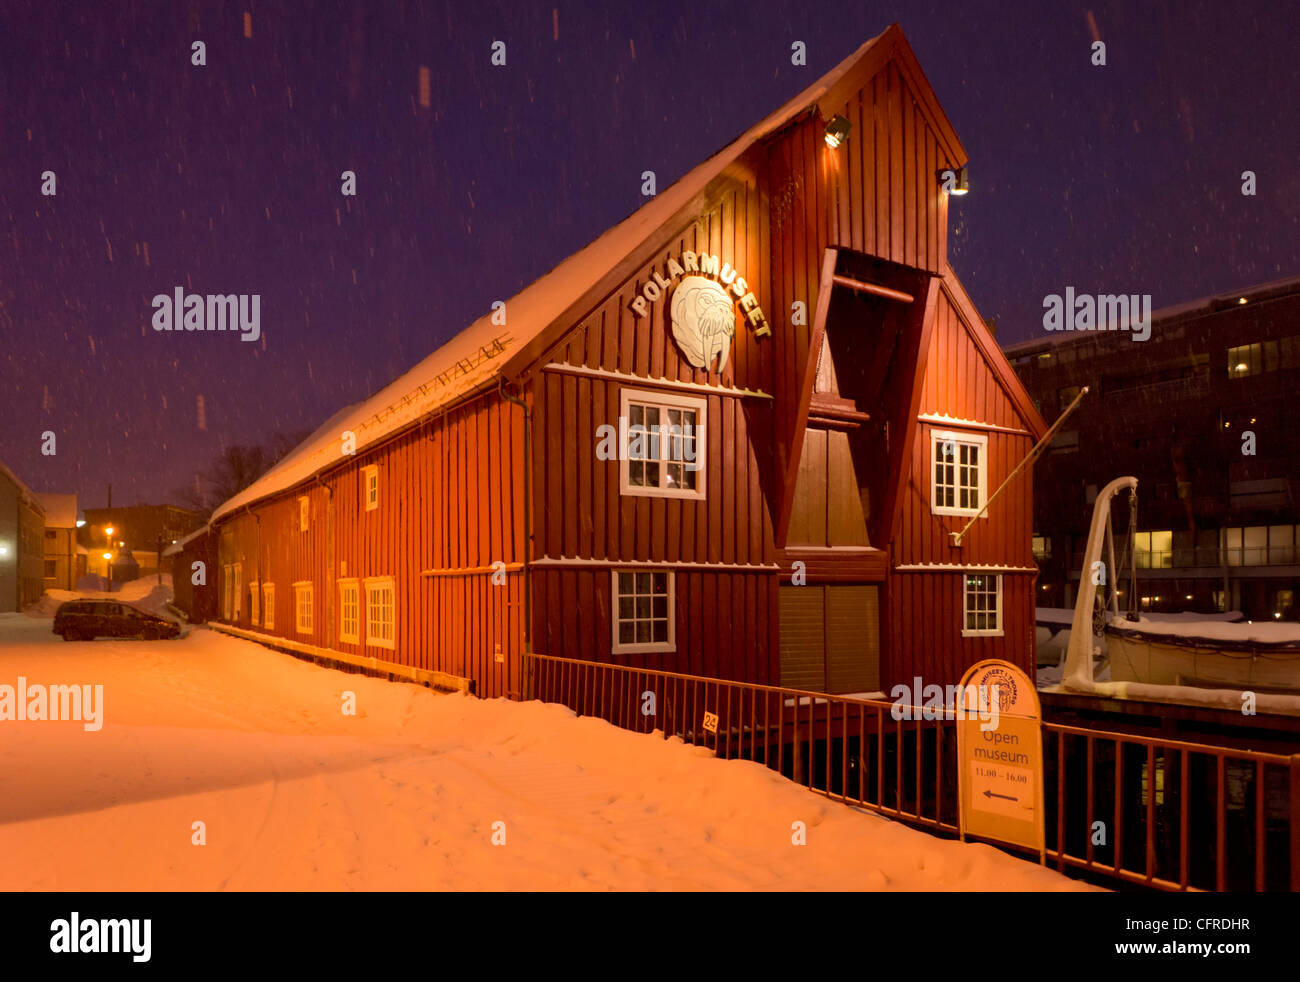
(1165, 814)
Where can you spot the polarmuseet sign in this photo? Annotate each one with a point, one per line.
(705, 292)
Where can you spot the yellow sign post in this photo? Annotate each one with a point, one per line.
(1000, 756)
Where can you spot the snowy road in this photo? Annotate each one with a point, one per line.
(294, 794)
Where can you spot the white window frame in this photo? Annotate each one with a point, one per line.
(239, 589)
(304, 512)
(254, 602)
(227, 591)
(663, 401)
(268, 606)
(643, 647)
(375, 638)
(937, 439)
(966, 593)
(353, 586)
(301, 588)
(369, 484)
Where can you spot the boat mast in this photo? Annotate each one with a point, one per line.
(1078, 657)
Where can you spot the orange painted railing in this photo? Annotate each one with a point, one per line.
(1165, 814)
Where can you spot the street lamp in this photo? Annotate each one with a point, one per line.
(108, 556)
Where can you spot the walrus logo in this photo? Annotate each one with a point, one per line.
(704, 321)
(1001, 686)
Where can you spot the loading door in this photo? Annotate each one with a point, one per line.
(830, 637)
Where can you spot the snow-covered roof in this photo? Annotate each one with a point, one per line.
(472, 359)
(60, 510)
(1065, 615)
(1250, 633)
(23, 490)
(180, 544)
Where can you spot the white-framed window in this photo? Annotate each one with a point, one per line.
(304, 510)
(662, 444)
(268, 606)
(254, 599)
(381, 612)
(227, 591)
(302, 606)
(349, 611)
(644, 611)
(983, 605)
(239, 589)
(958, 472)
(370, 486)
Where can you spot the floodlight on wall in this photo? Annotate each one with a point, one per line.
(954, 180)
(837, 131)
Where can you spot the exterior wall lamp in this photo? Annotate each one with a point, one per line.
(954, 180)
(837, 131)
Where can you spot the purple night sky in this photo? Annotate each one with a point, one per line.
(1121, 179)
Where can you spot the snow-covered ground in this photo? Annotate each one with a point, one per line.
(294, 794)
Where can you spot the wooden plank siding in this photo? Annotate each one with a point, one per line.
(450, 505)
(926, 608)
(926, 614)
(960, 384)
(726, 627)
(878, 195)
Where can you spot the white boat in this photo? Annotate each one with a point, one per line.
(1191, 659)
(1205, 653)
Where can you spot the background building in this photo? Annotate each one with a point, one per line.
(140, 535)
(65, 560)
(22, 544)
(1201, 413)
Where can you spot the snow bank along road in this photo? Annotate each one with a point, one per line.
(294, 794)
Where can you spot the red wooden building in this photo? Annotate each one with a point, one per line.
(730, 438)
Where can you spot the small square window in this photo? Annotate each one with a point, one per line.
(304, 508)
(662, 444)
(644, 617)
(983, 605)
(960, 472)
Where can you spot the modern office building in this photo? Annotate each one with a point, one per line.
(1201, 413)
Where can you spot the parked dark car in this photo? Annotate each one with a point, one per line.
(85, 620)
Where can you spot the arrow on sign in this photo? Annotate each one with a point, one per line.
(994, 794)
